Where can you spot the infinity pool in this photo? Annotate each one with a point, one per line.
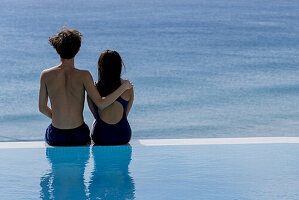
(222, 171)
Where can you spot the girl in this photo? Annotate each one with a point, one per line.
(111, 126)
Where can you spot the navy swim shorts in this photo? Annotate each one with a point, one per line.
(67, 137)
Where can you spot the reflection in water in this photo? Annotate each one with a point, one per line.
(66, 179)
(110, 178)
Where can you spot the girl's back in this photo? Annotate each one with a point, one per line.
(114, 113)
(111, 125)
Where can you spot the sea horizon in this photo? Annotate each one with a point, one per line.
(200, 68)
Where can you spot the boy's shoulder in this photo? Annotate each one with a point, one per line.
(82, 71)
(54, 70)
(48, 72)
(82, 74)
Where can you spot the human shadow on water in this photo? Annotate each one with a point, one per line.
(65, 180)
(111, 177)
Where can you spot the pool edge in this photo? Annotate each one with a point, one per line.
(168, 142)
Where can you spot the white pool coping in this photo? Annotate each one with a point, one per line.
(167, 142)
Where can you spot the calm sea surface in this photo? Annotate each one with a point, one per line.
(201, 68)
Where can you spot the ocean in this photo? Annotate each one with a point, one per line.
(200, 68)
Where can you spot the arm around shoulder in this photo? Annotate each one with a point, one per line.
(92, 92)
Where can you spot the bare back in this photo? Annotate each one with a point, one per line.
(66, 93)
(113, 113)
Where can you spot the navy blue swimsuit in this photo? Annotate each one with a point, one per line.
(112, 134)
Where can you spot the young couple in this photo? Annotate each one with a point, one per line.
(110, 100)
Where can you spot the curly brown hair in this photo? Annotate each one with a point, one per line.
(67, 43)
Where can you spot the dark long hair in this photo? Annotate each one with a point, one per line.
(109, 72)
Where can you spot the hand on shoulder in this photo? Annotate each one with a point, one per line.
(126, 83)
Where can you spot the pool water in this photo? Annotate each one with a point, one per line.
(240, 171)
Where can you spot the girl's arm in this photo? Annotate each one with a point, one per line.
(130, 101)
(103, 102)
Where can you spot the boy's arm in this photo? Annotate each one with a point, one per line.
(43, 98)
(91, 107)
(130, 103)
(103, 102)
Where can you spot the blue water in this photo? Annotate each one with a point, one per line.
(201, 68)
(210, 172)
